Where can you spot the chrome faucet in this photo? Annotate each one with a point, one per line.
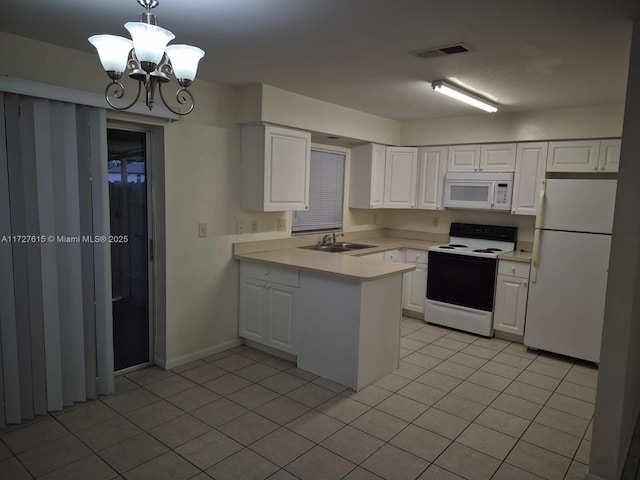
(330, 238)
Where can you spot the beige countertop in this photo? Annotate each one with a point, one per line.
(348, 264)
(342, 264)
(516, 256)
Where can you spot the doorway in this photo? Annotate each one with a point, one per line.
(130, 220)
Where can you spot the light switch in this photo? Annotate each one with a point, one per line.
(202, 229)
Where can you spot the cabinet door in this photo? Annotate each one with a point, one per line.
(366, 185)
(401, 175)
(463, 158)
(609, 155)
(573, 156)
(253, 305)
(531, 162)
(415, 288)
(432, 169)
(286, 174)
(500, 157)
(510, 304)
(281, 324)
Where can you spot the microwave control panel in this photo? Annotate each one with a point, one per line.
(502, 193)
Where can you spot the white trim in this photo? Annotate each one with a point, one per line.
(190, 357)
(82, 97)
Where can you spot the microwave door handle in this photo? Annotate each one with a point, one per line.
(492, 195)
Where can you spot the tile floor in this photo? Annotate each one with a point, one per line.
(459, 406)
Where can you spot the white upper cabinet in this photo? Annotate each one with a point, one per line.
(401, 174)
(275, 168)
(432, 168)
(499, 157)
(463, 158)
(531, 162)
(609, 157)
(367, 171)
(573, 156)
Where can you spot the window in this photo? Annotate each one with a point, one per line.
(325, 194)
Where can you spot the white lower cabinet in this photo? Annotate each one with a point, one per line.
(268, 306)
(415, 282)
(512, 288)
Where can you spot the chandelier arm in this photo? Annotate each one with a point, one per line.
(118, 92)
(183, 96)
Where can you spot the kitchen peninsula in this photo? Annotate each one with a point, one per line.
(339, 314)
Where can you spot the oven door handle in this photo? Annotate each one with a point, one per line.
(535, 257)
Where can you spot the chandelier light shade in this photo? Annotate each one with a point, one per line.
(459, 93)
(113, 51)
(148, 60)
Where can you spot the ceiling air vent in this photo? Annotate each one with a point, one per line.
(442, 51)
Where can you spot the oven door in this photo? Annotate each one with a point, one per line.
(462, 280)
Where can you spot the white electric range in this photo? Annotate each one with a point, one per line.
(461, 276)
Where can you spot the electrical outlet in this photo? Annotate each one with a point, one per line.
(240, 227)
(202, 229)
(254, 226)
(435, 221)
(282, 225)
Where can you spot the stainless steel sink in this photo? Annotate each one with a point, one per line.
(338, 247)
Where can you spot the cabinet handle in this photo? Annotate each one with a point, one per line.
(306, 207)
(595, 168)
(417, 257)
(513, 269)
(372, 205)
(602, 168)
(266, 272)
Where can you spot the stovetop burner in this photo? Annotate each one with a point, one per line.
(458, 245)
(488, 250)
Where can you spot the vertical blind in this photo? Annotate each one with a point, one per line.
(326, 187)
(55, 281)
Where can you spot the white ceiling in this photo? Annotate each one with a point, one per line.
(529, 54)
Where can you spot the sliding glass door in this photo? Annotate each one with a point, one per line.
(129, 184)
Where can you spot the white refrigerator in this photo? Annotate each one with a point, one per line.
(565, 308)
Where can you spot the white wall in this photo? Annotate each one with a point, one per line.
(618, 394)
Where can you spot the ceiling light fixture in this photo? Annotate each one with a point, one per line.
(453, 91)
(150, 60)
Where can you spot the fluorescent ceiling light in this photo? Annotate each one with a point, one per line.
(458, 93)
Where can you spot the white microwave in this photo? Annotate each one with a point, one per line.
(479, 190)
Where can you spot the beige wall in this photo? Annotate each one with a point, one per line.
(567, 123)
(286, 108)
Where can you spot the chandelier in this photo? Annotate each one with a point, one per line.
(149, 60)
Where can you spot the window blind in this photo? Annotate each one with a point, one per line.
(326, 187)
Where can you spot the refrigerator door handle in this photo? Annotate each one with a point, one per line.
(535, 260)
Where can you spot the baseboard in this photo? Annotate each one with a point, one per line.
(178, 361)
(272, 351)
(412, 314)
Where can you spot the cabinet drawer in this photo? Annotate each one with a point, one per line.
(416, 256)
(396, 255)
(513, 269)
(268, 273)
